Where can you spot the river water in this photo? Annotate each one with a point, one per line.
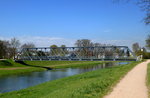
(17, 82)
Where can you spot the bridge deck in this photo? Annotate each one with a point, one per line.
(78, 59)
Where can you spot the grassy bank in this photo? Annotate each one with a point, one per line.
(4, 73)
(9, 63)
(9, 67)
(148, 79)
(94, 84)
(62, 64)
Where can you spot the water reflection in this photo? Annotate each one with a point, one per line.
(17, 82)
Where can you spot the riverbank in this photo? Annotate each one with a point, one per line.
(9, 67)
(63, 64)
(9, 64)
(87, 85)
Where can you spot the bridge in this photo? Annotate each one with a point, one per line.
(101, 53)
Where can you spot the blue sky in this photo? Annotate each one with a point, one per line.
(46, 22)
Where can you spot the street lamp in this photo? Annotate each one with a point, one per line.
(142, 53)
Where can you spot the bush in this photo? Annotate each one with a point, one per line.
(146, 55)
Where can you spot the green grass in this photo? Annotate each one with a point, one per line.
(9, 63)
(94, 84)
(19, 71)
(62, 64)
(52, 64)
(148, 79)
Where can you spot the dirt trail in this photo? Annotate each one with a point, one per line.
(133, 85)
(14, 68)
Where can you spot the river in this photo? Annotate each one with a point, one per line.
(17, 82)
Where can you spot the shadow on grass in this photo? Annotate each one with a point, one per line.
(23, 63)
(5, 63)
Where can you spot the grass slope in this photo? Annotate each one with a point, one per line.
(94, 84)
(9, 63)
(4, 73)
(31, 66)
(63, 64)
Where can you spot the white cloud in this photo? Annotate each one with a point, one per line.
(43, 41)
(107, 31)
(121, 42)
(47, 41)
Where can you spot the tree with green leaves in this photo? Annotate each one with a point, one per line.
(54, 50)
(63, 50)
(148, 42)
(3, 50)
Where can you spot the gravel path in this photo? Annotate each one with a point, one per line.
(133, 85)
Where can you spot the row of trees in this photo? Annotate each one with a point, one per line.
(9, 49)
(88, 52)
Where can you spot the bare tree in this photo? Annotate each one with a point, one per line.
(84, 43)
(15, 43)
(135, 47)
(145, 6)
(28, 45)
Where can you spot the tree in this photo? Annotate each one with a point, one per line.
(5, 50)
(63, 46)
(15, 43)
(135, 47)
(28, 45)
(85, 52)
(84, 43)
(8, 49)
(2, 50)
(148, 42)
(40, 53)
(145, 6)
(63, 50)
(54, 50)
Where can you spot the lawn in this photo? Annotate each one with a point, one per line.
(94, 84)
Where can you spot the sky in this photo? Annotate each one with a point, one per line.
(47, 22)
